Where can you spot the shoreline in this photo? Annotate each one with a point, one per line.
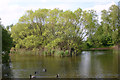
(116, 47)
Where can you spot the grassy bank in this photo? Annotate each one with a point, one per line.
(56, 52)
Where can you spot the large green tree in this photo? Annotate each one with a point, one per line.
(53, 29)
(49, 29)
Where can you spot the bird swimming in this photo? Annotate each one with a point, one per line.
(44, 70)
(33, 76)
(6, 74)
(35, 72)
(57, 75)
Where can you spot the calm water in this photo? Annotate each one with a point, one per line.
(90, 64)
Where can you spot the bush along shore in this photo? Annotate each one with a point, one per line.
(45, 52)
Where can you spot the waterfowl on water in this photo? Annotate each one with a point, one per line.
(33, 76)
(35, 72)
(44, 70)
(10, 66)
(6, 74)
(57, 75)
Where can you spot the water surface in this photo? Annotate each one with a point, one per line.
(90, 64)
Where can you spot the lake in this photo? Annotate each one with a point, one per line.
(89, 64)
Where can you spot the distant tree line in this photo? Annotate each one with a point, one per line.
(106, 33)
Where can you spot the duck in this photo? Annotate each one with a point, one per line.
(6, 75)
(33, 76)
(10, 66)
(57, 75)
(35, 72)
(44, 70)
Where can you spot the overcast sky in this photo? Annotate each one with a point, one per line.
(12, 10)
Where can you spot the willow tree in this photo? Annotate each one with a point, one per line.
(48, 29)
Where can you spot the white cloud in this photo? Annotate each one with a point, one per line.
(99, 8)
(10, 14)
(64, 1)
(62, 6)
(12, 10)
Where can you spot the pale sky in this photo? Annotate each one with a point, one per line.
(12, 10)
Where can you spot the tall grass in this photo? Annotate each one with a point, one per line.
(44, 52)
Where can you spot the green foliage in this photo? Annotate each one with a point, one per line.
(62, 53)
(58, 29)
(45, 53)
(5, 58)
(6, 44)
(6, 41)
(66, 52)
(52, 51)
(58, 53)
(48, 29)
(106, 33)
